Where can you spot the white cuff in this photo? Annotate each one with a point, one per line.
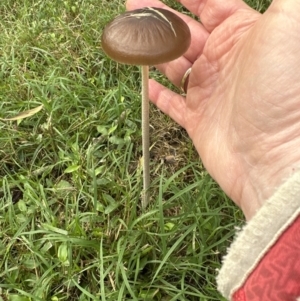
(258, 235)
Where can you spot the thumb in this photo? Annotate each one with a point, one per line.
(214, 12)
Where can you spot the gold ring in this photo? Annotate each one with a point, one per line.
(184, 81)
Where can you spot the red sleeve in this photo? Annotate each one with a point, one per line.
(277, 275)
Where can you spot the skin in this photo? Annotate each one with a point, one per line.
(242, 108)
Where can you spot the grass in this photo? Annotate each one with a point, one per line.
(70, 219)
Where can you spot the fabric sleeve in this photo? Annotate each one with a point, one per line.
(263, 263)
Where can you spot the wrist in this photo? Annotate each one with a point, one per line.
(263, 179)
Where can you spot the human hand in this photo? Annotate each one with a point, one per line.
(242, 107)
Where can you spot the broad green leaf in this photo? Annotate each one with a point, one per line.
(22, 206)
(112, 129)
(72, 168)
(169, 226)
(62, 252)
(99, 207)
(116, 140)
(102, 130)
(110, 208)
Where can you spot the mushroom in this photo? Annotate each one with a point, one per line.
(146, 36)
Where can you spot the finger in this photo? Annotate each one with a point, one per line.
(214, 12)
(175, 70)
(167, 101)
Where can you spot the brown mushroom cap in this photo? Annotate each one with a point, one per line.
(146, 36)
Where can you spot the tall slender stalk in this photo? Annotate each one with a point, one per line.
(145, 136)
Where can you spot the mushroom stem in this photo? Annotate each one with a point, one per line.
(145, 136)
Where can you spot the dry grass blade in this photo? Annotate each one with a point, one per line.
(24, 114)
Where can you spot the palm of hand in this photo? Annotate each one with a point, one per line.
(242, 104)
(241, 108)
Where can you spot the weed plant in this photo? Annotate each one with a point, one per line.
(71, 227)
